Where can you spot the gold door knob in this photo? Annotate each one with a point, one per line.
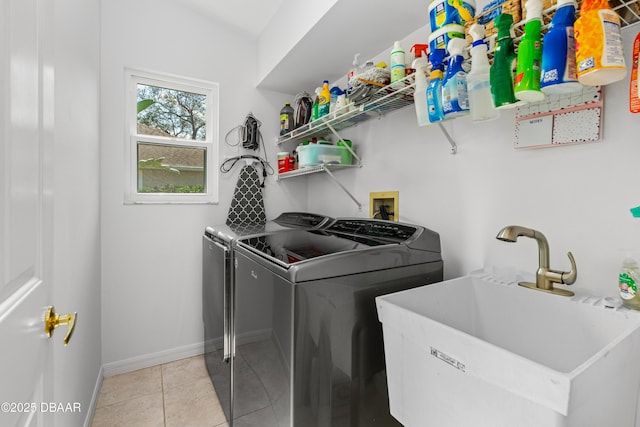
(52, 320)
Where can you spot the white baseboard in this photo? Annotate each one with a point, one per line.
(94, 399)
(171, 355)
(148, 360)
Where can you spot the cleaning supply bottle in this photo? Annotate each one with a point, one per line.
(334, 92)
(421, 64)
(341, 103)
(628, 282)
(478, 86)
(314, 108)
(324, 99)
(455, 100)
(558, 74)
(504, 64)
(434, 91)
(397, 62)
(352, 72)
(419, 55)
(634, 81)
(527, 83)
(599, 52)
(286, 118)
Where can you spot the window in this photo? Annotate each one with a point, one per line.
(172, 139)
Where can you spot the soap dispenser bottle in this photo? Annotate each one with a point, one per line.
(478, 86)
(527, 83)
(455, 100)
(504, 65)
(434, 91)
(558, 74)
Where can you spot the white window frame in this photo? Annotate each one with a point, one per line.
(134, 77)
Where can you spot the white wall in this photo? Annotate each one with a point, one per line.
(578, 196)
(76, 208)
(291, 23)
(151, 283)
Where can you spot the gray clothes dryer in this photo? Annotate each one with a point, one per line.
(308, 346)
(217, 291)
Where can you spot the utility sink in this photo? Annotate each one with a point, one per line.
(482, 351)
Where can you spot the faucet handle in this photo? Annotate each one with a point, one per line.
(570, 277)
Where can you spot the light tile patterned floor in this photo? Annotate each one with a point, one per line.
(174, 394)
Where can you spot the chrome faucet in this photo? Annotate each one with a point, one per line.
(545, 277)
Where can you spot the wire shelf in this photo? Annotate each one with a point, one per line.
(314, 169)
(386, 99)
(629, 11)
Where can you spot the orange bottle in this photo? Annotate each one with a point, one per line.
(599, 51)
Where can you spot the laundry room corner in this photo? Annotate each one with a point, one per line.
(151, 257)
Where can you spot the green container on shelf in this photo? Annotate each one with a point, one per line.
(346, 158)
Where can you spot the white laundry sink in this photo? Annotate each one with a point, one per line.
(479, 351)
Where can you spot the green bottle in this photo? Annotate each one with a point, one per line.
(527, 83)
(501, 74)
(314, 109)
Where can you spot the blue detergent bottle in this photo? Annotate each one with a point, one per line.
(558, 74)
(455, 98)
(434, 91)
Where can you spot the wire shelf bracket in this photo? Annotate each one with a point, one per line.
(326, 169)
(339, 184)
(452, 142)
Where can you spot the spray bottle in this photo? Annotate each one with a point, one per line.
(315, 113)
(480, 99)
(434, 91)
(599, 51)
(504, 65)
(352, 72)
(421, 64)
(455, 100)
(419, 52)
(558, 74)
(527, 83)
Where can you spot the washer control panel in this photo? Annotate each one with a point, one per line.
(374, 228)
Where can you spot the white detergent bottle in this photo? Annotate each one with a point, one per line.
(478, 83)
(397, 62)
(421, 65)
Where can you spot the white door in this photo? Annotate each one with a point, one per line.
(26, 82)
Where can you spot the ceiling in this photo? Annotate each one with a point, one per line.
(248, 16)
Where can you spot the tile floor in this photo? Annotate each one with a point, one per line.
(174, 394)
